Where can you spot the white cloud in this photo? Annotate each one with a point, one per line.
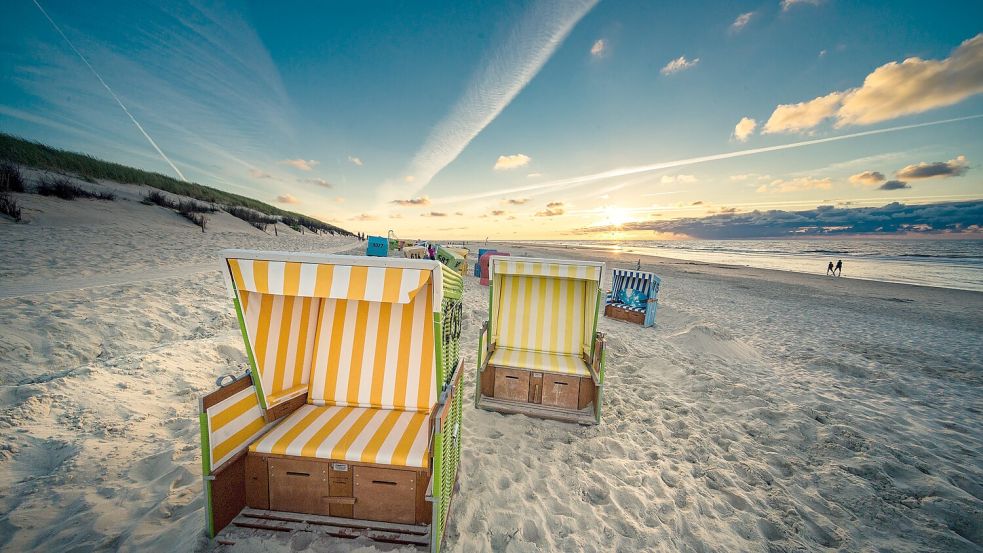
(892, 90)
(952, 168)
(670, 179)
(517, 57)
(422, 200)
(319, 182)
(741, 21)
(553, 209)
(287, 199)
(365, 217)
(355, 160)
(409, 178)
(786, 4)
(796, 185)
(513, 161)
(599, 48)
(804, 115)
(867, 178)
(749, 176)
(679, 64)
(744, 128)
(259, 174)
(302, 164)
(534, 175)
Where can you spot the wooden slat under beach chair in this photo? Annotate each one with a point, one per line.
(540, 353)
(640, 289)
(352, 411)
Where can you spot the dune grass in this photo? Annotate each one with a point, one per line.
(61, 187)
(10, 178)
(40, 156)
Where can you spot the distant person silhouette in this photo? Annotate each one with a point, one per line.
(830, 269)
(839, 268)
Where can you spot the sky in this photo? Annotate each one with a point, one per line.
(570, 119)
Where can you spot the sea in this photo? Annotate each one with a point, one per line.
(943, 263)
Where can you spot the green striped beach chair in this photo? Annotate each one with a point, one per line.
(349, 420)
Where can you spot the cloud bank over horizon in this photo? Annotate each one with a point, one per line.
(825, 220)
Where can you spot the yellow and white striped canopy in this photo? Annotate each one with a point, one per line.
(333, 281)
(547, 268)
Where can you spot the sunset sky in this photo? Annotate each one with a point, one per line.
(538, 120)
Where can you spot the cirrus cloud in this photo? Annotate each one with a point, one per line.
(787, 4)
(796, 185)
(892, 90)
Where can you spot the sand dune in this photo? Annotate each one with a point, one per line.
(766, 411)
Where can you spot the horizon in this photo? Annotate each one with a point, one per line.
(567, 121)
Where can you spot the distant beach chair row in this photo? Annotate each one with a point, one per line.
(349, 421)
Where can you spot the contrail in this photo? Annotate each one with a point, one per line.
(111, 93)
(626, 171)
(511, 66)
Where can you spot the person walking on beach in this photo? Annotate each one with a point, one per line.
(839, 268)
(830, 269)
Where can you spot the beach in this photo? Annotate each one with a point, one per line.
(766, 410)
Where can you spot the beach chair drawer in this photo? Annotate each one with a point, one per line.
(511, 384)
(299, 486)
(561, 390)
(385, 494)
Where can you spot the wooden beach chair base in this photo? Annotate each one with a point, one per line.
(551, 386)
(625, 314)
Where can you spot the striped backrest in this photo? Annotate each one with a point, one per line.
(540, 313)
(232, 424)
(376, 354)
(281, 332)
(544, 305)
(636, 280)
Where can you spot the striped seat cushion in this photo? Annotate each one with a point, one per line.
(356, 434)
(626, 307)
(558, 363)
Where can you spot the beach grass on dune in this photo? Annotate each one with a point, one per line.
(61, 187)
(40, 156)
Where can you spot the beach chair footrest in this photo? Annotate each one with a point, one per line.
(584, 416)
(253, 522)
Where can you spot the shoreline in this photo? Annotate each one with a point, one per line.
(968, 283)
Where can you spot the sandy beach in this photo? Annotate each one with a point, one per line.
(765, 411)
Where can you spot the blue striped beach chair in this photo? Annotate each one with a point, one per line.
(633, 296)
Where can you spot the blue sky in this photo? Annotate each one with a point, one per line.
(535, 119)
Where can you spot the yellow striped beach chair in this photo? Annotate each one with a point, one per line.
(539, 352)
(349, 419)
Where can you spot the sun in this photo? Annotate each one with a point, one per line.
(615, 216)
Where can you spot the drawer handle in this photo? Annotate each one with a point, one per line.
(291, 473)
(559, 383)
(512, 377)
(385, 482)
